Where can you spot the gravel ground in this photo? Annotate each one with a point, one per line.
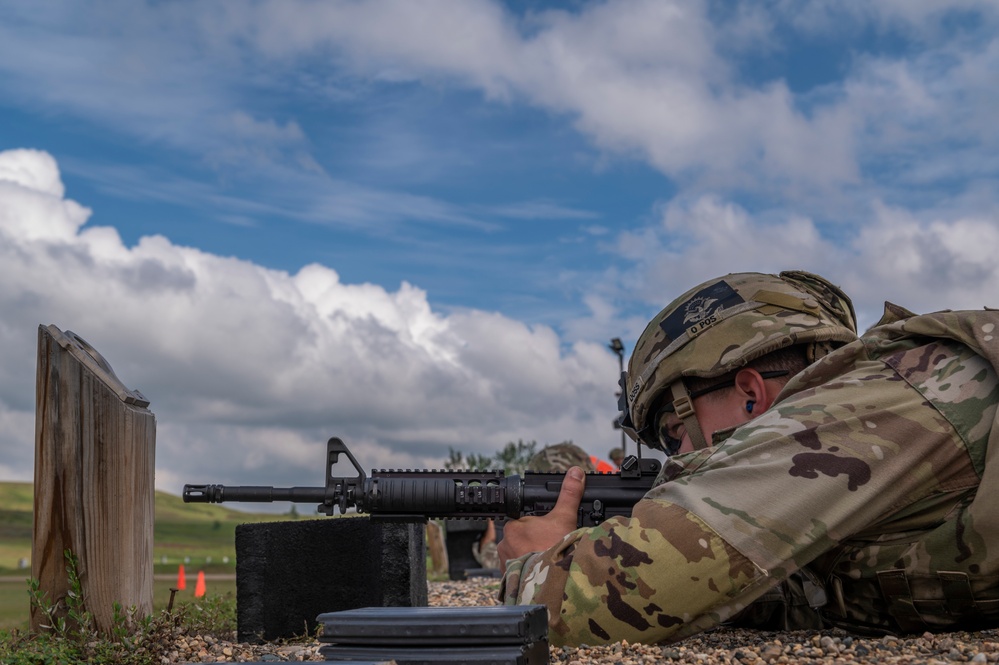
(728, 646)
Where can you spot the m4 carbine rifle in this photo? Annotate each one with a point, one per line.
(408, 495)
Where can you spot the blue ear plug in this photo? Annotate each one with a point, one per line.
(749, 406)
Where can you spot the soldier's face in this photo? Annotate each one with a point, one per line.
(716, 411)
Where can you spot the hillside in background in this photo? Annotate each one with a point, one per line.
(203, 534)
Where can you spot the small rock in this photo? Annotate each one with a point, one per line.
(771, 651)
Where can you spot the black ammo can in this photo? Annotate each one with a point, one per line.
(487, 635)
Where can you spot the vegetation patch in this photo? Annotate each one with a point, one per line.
(69, 634)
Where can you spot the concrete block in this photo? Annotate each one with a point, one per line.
(288, 573)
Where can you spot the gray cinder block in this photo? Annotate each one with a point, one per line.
(288, 573)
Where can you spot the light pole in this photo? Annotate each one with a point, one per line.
(617, 347)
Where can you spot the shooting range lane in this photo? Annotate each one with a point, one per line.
(715, 647)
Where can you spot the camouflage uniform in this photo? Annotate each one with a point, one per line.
(873, 471)
(485, 553)
(559, 457)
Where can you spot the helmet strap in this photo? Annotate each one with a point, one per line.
(684, 408)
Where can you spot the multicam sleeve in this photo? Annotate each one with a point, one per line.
(636, 579)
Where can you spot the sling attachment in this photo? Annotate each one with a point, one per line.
(957, 593)
(684, 409)
(895, 589)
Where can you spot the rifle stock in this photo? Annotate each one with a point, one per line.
(425, 493)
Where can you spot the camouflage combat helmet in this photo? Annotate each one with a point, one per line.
(559, 457)
(722, 325)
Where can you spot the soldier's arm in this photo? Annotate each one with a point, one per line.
(661, 575)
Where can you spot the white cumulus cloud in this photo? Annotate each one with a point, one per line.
(924, 261)
(249, 370)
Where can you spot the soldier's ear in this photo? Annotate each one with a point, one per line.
(752, 388)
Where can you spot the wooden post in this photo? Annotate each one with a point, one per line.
(435, 546)
(95, 444)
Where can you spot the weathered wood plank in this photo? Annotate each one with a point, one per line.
(95, 444)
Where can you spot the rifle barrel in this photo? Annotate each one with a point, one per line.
(252, 493)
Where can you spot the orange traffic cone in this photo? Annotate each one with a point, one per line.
(199, 588)
(181, 579)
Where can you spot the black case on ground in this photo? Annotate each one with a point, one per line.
(488, 635)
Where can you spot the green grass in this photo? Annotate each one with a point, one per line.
(195, 530)
(130, 639)
(14, 604)
(15, 601)
(17, 500)
(201, 536)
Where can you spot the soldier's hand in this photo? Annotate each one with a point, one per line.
(534, 534)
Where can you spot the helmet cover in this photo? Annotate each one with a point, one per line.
(559, 457)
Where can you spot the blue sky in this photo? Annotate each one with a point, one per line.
(417, 225)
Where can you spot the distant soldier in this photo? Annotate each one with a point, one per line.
(484, 549)
(559, 457)
(617, 456)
